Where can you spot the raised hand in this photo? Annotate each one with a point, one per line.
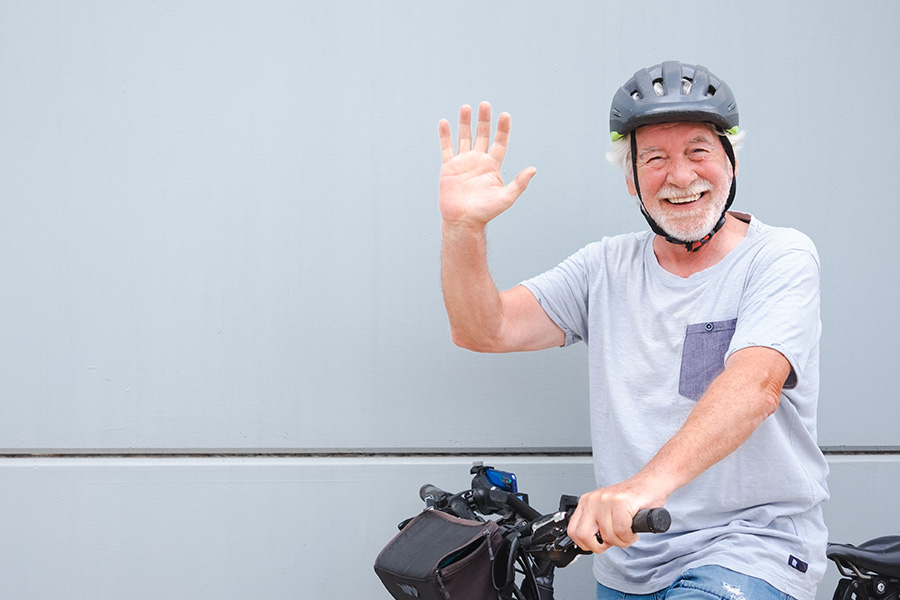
(471, 187)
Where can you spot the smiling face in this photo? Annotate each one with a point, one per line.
(684, 176)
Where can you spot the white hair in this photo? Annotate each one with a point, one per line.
(620, 151)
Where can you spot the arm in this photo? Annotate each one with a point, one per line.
(472, 193)
(737, 402)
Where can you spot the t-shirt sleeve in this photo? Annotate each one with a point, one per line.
(563, 294)
(779, 308)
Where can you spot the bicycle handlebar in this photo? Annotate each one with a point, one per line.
(533, 544)
(550, 533)
(522, 507)
(547, 531)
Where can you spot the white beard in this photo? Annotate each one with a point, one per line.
(694, 224)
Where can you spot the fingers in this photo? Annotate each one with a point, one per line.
(446, 142)
(583, 532)
(465, 128)
(614, 529)
(501, 139)
(483, 130)
(482, 142)
(606, 512)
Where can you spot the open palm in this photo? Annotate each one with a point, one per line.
(471, 187)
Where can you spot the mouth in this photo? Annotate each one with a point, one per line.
(682, 200)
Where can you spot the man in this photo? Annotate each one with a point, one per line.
(703, 337)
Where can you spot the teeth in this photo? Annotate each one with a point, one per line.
(685, 200)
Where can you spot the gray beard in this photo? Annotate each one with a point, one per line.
(693, 225)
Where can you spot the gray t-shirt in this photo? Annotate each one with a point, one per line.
(656, 341)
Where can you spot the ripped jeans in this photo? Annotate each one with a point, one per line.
(705, 583)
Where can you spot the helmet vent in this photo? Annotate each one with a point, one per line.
(686, 85)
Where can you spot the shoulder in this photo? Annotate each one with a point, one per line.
(609, 257)
(617, 248)
(770, 243)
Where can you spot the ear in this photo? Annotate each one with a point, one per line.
(630, 184)
(736, 164)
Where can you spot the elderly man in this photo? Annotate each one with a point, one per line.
(703, 337)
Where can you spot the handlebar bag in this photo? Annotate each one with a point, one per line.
(437, 556)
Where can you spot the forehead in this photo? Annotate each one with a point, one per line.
(666, 134)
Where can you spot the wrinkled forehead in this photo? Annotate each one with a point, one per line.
(677, 132)
(677, 126)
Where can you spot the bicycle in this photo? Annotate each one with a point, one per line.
(871, 570)
(527, 547)
(533, 545)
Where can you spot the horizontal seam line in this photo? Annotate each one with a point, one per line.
(326, 453)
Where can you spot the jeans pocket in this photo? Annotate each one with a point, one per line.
(703, 355)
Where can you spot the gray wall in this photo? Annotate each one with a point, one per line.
(222, 332)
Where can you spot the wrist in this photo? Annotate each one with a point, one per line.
(656, 486)
(462, 229)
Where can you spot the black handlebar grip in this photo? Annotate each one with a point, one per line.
(431, 494)
(651, 520)
(435, 497)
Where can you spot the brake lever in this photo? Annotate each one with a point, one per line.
(551, 528)
(549, 534)
(562, 550)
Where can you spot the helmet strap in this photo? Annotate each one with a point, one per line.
(692, 246)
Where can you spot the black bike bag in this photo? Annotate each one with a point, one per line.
(437, 556)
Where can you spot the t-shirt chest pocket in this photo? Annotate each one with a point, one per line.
(703, 355)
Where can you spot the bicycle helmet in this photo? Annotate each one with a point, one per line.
(673, 92)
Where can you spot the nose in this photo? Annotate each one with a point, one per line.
(681, 172)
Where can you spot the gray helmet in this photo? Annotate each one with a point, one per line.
(670, 92)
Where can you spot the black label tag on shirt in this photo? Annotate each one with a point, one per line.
(797, 563)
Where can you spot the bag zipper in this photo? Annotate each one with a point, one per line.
(444, 592)
(486, 534)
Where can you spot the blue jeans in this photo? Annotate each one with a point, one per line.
(705, 583)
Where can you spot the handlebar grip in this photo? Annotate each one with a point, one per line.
(435, 497)
(651, 520)
(432, 495)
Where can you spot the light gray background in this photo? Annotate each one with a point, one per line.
(219, 239)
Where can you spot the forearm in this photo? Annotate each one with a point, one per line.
(472, 193)
(471, 298)
(736, 403)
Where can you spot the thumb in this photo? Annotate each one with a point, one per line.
(518, 185)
